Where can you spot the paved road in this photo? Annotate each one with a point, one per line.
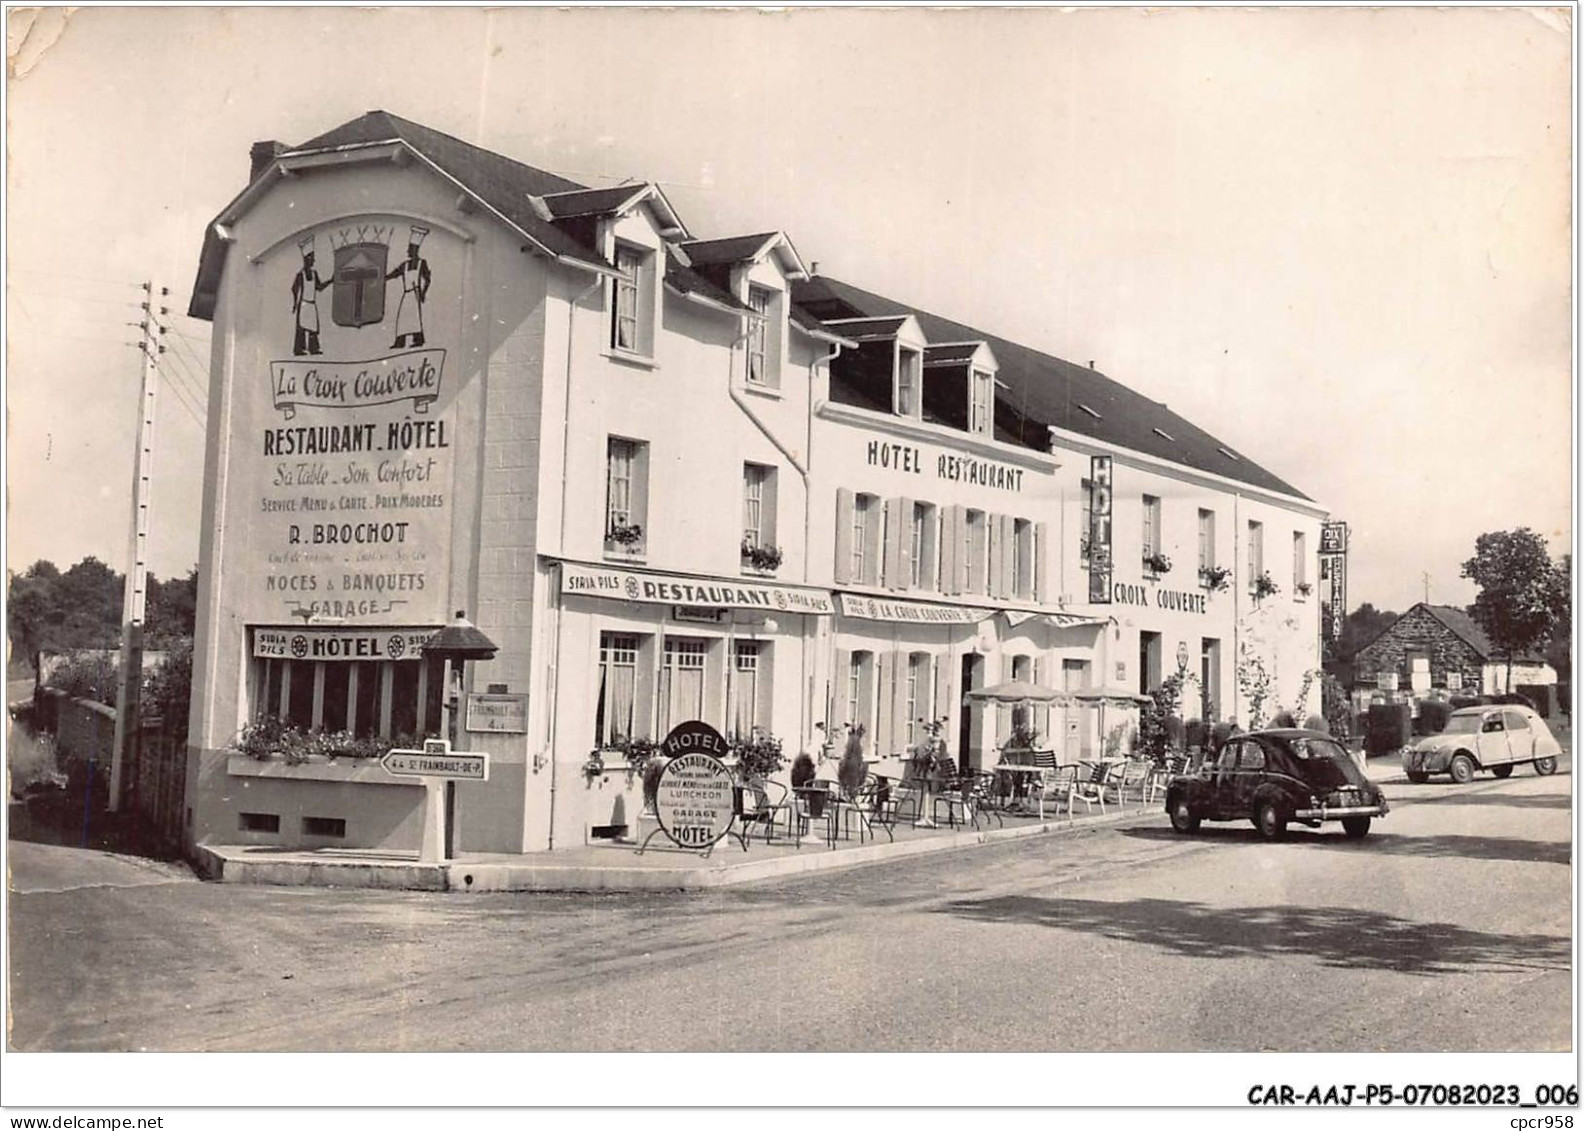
(1447, 928)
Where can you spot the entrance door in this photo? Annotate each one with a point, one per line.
(968, 751)
(1149, 662)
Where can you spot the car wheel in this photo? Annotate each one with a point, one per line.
(1544, 766)
(1502, 771)
(1183, 818)
(1270, 820)
(1418, 777)
(1355, 827)
(1462, 769)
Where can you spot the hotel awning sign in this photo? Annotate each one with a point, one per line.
(618, 584)
(908, 612)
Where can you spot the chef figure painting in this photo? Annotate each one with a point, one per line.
(414, 275)
(305, 302)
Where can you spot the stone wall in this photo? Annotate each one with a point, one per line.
(1418, 630)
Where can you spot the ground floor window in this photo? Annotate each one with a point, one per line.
(368, 698)
(615, 705)
(681, 681)
(1210, 679)
(745, 693)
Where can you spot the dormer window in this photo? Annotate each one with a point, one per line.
(758, 336)
(981, 406)
(908, 399)
(632, 301)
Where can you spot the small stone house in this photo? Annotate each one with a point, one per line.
(1440, 646)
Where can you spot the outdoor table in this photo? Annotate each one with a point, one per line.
(826, 797)
(1019, 776)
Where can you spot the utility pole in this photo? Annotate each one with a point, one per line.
(129, 695)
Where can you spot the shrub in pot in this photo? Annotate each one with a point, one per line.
(1283, 719)
(1315, 722)
(1176, 732)
(850, 773)
(1194, 734)
(802, 770)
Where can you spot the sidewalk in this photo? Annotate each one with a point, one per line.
(618, 868)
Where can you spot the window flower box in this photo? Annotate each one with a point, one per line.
(270, 739)
(1303, 589)
(1217, 579)
(625, 538)
(761, 559)
(1156, 563)
(1264, 586)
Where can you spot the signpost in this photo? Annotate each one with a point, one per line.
(695, 801)
(1099, 530)
(438, 765)
(497, 712)
(1333, 566)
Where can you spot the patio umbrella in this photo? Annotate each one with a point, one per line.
(1016, 691)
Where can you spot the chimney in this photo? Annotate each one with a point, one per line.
(262, 156)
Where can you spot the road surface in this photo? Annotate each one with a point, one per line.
(1447, 928)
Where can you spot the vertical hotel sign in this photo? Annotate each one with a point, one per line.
(1333, 562)
(1099, 530)
(346, 459)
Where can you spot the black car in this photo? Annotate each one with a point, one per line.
(1272, 777)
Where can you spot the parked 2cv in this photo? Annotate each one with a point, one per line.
(1494, 738)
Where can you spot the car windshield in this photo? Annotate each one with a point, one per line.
(1329, 764)
(1462, 724)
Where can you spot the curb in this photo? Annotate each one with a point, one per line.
(463, 876)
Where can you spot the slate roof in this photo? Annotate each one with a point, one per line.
(501, 183)
(1044, 390)
(868, 328)
(590, 202)
(687, 281)
(732, 249)
(958, 352)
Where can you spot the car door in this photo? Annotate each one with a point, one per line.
(1491, 745)
(1520, 736)
(1250, 776)
(1223, 785)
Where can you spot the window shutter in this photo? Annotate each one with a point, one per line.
(898, 710)
(841, 672)
(874, 539)
(905, 541)
(767, 507)
(844, 546)
(952, 558)
(640, 492)
(996, 574)
(928, 578)
(1041, 548)
(879, 743)
(895, 536)
(943, 707)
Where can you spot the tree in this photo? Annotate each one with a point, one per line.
(1523, 593)
(170, 609)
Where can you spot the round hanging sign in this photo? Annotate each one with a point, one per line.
(694, 800)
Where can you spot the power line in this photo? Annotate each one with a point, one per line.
(70, 275)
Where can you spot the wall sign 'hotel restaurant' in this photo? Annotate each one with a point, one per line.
(953, 468)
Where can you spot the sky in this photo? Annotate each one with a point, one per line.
(1338, 239)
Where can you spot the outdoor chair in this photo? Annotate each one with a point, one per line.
(1135, 779)
(1111, 783)
(1090, 788)
(1174, 766)
(761, 804)
(907, 798)
(876, 800)
(1057, 784)
(967, 796)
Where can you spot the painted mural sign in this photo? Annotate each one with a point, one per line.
(617, 584)
(355, 447)
(695, 801)
(1099, 530)
(1172, 600)
(950, 466)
